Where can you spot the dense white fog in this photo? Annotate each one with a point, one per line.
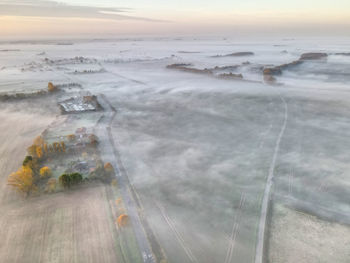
(203, 146)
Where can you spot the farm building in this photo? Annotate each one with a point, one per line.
(79, 104)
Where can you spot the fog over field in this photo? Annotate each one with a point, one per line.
(232, 150)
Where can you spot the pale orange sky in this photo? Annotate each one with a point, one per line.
(35, 18)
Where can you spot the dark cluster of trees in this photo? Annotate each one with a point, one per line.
(68, 180)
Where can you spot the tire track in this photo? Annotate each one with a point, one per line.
(235, 228)
(177, 233)
(291, 181)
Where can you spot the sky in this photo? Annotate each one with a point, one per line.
(30, 18)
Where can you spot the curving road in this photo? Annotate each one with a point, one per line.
(259, 254)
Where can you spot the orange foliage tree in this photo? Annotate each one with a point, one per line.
(123, 220)
(51, 87)
(108, 168)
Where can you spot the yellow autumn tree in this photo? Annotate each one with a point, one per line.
(36, 150)
(22, 180)
(39, 151)
(45, 172)
(38, 141)
(31, 162)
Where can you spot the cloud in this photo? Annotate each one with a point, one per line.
(43, 8)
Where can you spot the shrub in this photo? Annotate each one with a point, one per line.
(93, 139)
(99, 170)
(45, 172)
(84, 155)
(76, 178)
(51, 185)
(123, 220)
(114, 182)
(71, 137)
(28, 160)
(31, 162)
(108, 168)
(65, 180)
(51, 87)
(118, 202)
(68, 180)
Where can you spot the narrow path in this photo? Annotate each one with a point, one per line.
(130, 202)
(259, 254)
